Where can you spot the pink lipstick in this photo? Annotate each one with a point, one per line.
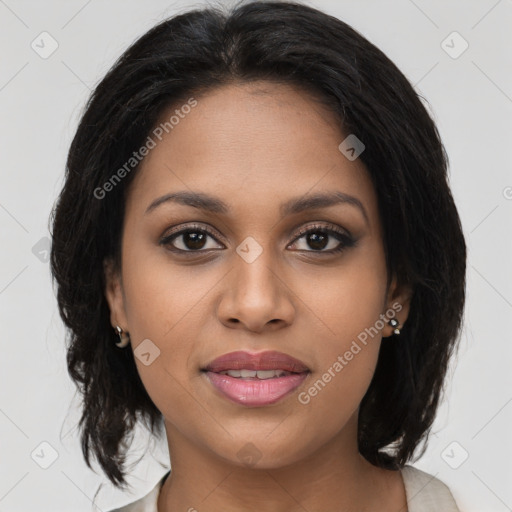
(256, 380)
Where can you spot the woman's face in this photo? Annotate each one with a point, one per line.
(246, 278)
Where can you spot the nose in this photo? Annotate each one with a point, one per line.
(256, 296)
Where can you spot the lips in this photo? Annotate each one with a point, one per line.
(264, 361)
(255, 380)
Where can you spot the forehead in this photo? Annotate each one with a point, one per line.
(253, 145)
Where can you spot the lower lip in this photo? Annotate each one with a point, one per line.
(255, 392)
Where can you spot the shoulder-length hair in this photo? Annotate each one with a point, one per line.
(188, 55)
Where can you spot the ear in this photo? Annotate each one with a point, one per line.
(398, 303)
(114, 295)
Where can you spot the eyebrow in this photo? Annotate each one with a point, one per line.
(295, 205)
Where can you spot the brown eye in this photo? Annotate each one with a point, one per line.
(324, 240)
(190, 239)
(317, 239)
(193, 239)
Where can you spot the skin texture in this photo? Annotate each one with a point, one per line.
(256, 146)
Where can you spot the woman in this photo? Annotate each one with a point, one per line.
(256, 251)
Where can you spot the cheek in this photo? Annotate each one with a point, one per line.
(161, 296)
(164, 303)
(347, 299)
(346, 307)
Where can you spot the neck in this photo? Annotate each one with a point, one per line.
(334, 477)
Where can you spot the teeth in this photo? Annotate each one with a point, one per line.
(260, 374)
(268, 374)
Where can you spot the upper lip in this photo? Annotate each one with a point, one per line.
(269, 360)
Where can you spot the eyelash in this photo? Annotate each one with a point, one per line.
(343, 238)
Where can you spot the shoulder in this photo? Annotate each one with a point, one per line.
(425, 492)
(147, 503)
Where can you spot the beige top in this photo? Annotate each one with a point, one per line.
(424, 492)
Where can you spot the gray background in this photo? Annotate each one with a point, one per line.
(470, 97)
